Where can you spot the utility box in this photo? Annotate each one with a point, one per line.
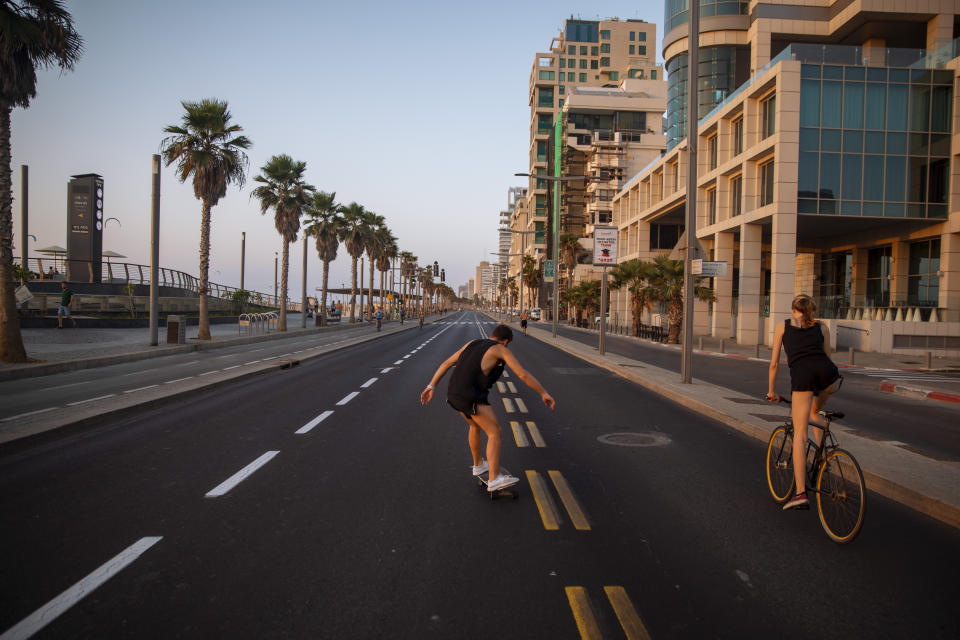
(176, 330)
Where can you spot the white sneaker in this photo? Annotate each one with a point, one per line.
(482, 469)
(502, 482)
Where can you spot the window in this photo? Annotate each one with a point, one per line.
(563, 63)
(546, 75)
(675, 170)
(594, 51)
(572, 50)
(633, 36)
(878, 276)
(712, 152)
(711, 206)
(571, 77)
(923, 282)
(545, 122)
(766, 183)
(563, 90)
(635, 73)
(642, 36)
(594, 65)
(546, 97)
(604, 34)
(583, 51)
(768, 108)
(664, 236)
(604, 62)
(632, 49)
(605, 48)
(583, 63)
(641, 50)
(541, 151)
(583, 77)
(614, 75)
(736, 196)
(572, 63)
(738, 136)
(653, 74)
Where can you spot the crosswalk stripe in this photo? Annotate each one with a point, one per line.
(632, 625)
(513, 389)
(577, 516)
(583, 614)
(521, 405)
(545, 504)
(508, 405)
(518, 434)
(535, 434)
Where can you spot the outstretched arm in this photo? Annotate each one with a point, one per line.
(511, 361)
(775, 362)
(427, 395)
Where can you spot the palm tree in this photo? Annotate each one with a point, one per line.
(324, 225)
(352, 233)
(666, 285)
(209, 148)
(34, 34)
(388, 250)
(635, 275)
(584, 296)
(284, 190)
(408, 267)
(371, 244)
(531, 275)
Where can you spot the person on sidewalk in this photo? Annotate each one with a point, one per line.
(403, 313)
(524, 317)
(379, 316)
(66, 302)
(477, 365)
(813, 377)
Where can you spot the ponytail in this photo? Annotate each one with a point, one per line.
(805, 305)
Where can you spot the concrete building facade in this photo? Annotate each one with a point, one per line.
(832, 169)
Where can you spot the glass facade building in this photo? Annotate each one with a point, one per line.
(874, 141)
(676, 12)
(721, 70)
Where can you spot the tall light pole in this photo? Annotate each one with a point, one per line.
(303, 290)
(275, 278)
(556, 239)
(155, 252)
(693, 120)
(243, 256)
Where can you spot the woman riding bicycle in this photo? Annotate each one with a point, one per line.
(813, 377)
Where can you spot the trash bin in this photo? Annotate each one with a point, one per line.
(176, 330)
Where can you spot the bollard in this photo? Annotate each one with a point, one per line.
(929, 360)
(851, 357)
(701, 343)
(176, 330)
(722, 346)
(757, 352)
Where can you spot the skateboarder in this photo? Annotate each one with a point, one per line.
(478, 364)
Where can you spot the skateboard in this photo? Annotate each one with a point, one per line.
(483, 480)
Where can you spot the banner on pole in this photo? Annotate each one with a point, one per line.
(605, 246)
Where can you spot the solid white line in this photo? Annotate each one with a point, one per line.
(64, 386)
(50, 611)
(31, 413)
(236, 366)
(178, 380)
(368, 383)
(73, 404)
(241, 475)
(310, 425)
(347, 398)
(149, 386)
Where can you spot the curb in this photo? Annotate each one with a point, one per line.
(928, 505)
(919, 392)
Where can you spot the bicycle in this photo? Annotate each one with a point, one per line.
(833, 475)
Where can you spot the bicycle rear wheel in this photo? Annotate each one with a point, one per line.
(841, 496)
(779, 464)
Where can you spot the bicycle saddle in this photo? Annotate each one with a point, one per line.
(832, 415)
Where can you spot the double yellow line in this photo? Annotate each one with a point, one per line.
(627, 615)
(549, 512)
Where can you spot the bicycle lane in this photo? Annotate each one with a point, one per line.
(686, 525)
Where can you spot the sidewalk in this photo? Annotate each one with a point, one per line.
(941, 391)
(923, 483)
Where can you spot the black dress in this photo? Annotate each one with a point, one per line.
(810, 367)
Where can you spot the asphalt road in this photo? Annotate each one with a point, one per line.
(367, 523)
(932, 427)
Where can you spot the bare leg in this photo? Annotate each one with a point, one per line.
(802, 402)
(486, 420)
(819, 401)
(473, 438)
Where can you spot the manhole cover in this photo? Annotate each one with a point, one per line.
(648, 439)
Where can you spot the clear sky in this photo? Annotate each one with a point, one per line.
(418, 111)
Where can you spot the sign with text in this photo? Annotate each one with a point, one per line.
(85, 227)
(548, 270)
(709, 268)
(605, 246)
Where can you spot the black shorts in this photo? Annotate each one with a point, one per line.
(467, 406)
(813, 375)
(523, 324)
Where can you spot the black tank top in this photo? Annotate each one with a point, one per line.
(468, 379)
(802, 343)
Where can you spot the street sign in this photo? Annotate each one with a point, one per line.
(605, 246)
(548, 270)
(709, 268)
(23, 294)
(389, 296)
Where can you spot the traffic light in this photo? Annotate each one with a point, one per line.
(443, 275)
(436, 269)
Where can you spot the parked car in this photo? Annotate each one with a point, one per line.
(535, 313)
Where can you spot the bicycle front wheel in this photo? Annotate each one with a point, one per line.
(841, 496)
(779, 465)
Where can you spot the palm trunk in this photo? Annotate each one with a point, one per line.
(675, 319)
(11, 342)
(323, 293)
(203, 330)
(381, 290)
(370, 292)
(285, 267)
(353, 289)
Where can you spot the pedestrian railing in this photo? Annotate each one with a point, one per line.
(253, 324)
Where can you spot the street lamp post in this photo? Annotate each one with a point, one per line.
(556, 240)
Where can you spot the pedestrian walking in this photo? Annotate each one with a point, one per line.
(524, 317)
(66, 303)
(379, 316)
(403, 314)
(813, 377)
(477, 365)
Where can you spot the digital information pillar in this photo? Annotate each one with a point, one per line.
(85, 228)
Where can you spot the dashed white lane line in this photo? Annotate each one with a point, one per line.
(251, 362)
(255, 350)
(236, 366)
(29, 413)
(50, 611)
(183, 364)
(368, 383)
(240, 476)
(406, 356)
(398, 362)
(270, 358)
(386, 370)
(206, 373)
(310, 425)
(347, 398)
(73, 404)
(149, 386)
(178, 380)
